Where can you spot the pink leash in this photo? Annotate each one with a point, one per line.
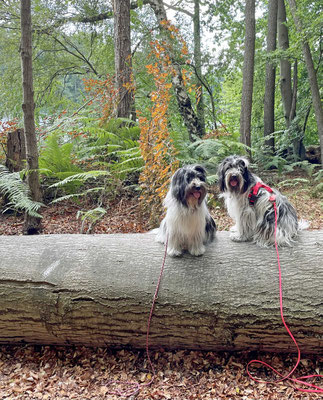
(300, 380)
(135, 387)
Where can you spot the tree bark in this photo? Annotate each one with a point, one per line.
(97, 290)
(289, 94)
(285, 65)
(16, 150)
(123, 59)
(316, 98)
(269, 101)
(32, 224)
(248, 71)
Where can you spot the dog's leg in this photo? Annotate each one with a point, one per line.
(197, 250)
(174, 246)
(196, 246)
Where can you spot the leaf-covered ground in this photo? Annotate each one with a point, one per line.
(46, 373)
(43, 372)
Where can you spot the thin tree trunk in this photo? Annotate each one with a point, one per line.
(316, 99)
(190, 118)
(269, 101)
(123, 59)
(32, 224)
(285, 65)
(248, 70)
(198, 62)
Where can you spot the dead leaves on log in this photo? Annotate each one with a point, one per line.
(59, 373)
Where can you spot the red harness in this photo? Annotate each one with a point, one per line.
(253, 195)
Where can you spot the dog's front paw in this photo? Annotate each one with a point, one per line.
(174, 252)
(233, 228)
(197, 251)
(235, 237)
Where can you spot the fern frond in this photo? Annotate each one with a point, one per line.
(17, 192)
(81, 177)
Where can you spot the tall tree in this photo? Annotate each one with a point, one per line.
(316, 99)
(269, 100)
(288, 91)
(190, 118)
(248, 72)
(122, 54)
(32, 224)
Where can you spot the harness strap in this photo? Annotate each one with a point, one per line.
(253, 195)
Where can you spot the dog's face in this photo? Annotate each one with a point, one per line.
(234, 175)
(188, 185)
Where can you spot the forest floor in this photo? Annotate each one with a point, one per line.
(44, 372)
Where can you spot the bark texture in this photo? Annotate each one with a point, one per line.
(315, 91)
(97, 290)
(16, 150)
(32, 224)
(122, 55)
(270, 82)
(248, 70)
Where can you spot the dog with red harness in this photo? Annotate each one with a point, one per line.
(250, 203)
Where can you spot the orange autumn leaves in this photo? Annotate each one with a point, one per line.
(156, 145)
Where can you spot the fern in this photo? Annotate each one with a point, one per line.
(17, 193)
(80, 178)
(90, 217)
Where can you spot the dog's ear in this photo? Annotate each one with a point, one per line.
(221, 176)
(200, 169)
(178, 185)
(243, 162)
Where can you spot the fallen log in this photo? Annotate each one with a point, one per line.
(97, 290)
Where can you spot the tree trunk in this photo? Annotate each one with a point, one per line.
(269, 101)
(316, 99)
(289, 94)
(285, 65)
(198, 63)
(16, 150)
(248, 70)
(97, 290)
(191, 120)
(123, 59)
(32, 224)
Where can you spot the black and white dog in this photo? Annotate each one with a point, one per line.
(188, 224)
(250, 204)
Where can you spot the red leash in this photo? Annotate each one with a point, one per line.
(300, 380)
(135, 387)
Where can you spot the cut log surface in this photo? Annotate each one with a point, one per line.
(97, 290)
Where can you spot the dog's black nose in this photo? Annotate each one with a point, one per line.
(197, 187)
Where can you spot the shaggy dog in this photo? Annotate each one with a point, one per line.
(188, 224)
(250, 203)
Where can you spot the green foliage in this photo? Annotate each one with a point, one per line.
(210, 152)
(17, 193)
(56, 161)
(91, 218)
(318, 179)
(115, 146)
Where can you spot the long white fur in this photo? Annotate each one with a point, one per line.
(185, 227)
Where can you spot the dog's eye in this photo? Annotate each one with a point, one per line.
(189, 177)
(242, 164)
(201, 178)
